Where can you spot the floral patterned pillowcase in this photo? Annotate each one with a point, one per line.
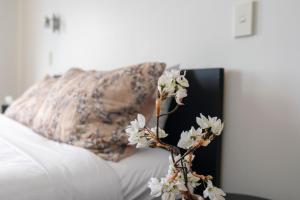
(27, 106)
(91, 109)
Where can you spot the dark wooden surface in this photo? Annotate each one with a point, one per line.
(242, 197)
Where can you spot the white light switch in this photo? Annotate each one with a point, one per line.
(243, 18)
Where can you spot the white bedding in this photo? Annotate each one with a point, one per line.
(135, 172)
(34, 168)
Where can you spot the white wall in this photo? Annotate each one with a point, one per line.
(262, 98)
(8, 48)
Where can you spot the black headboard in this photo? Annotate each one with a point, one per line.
(205, 95)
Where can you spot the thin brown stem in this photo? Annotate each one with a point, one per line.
(158, 102)
(157, 129)
(172, 111)
(202, 177)
(167, 147)
(185, 154)
(184, 174)
(172, 154)
(189, 151)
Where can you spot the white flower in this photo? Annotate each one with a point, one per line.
(180, 94)
(180, 184)
(171, 186)
(141, 136)
(136, 133)
(170, 190)
(141, 121)
(214, 123)
(173, 84)
(161, 132)
(189, 138)
(185, 142)
(136, 124)
(139, 139)
(156, 187)
(193, 181)
(166, 87)
(213, 193)
(168, 196)
(166, 83)
(182, 80)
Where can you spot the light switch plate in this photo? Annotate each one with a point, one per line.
(243, 18)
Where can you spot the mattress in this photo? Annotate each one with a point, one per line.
(33, 168)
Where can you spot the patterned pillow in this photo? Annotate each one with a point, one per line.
(90, 109)
(27, 106)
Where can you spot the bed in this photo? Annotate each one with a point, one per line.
(68, 172)
(33, 167)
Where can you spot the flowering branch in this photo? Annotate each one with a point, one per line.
(180, 180)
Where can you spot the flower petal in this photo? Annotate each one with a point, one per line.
(141, 121)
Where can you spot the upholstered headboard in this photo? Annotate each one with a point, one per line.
(205, 95)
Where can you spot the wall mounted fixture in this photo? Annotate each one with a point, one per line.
(243, 18)
(53, 23)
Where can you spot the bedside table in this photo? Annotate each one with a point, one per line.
(3, 108)
(241, 197)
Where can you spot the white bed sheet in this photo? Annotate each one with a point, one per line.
(135, 172)
(33, 168)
